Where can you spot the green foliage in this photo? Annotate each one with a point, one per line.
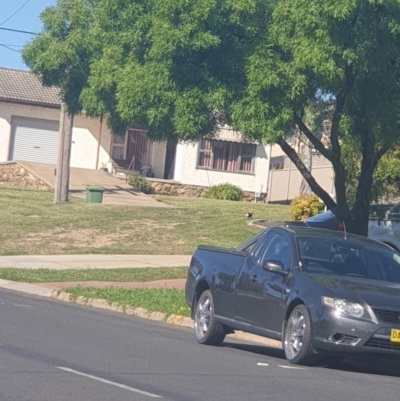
(224, 192)
(305, 206)
(140, 183)
(385, 177)
(60, 55)
(182, 68)
(68, 275)
(170, 302)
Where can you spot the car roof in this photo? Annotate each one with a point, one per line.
(328, 215)
(310, 232)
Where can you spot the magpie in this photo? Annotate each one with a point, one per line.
(249, 215)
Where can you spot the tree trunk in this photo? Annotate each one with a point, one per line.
(306, 156)
(361, 208)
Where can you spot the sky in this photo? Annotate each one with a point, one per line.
(25, 19)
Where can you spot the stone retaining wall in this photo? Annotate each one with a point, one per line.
(13, 175)
(178, 189)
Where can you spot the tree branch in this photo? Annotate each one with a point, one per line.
(315, 187)
(341, 98)
(312, 138)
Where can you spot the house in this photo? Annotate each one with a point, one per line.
(285, 179)
(29, 124)
(29, 131)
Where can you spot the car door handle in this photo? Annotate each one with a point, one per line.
(254, 278)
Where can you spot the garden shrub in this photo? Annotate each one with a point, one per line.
(224, 192)
(139, 182)
(305, 206)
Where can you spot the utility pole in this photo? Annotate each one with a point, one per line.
(64, 156)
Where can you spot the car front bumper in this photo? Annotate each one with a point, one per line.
(336, 333)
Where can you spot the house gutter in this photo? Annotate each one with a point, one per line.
(30, 103)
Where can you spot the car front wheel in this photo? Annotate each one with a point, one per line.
(206, 329)
(298, 339)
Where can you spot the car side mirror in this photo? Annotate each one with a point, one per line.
(275, 266)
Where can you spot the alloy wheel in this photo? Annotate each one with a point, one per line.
(295, 334)
(202, 317)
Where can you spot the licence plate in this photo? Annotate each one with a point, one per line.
(395, 336)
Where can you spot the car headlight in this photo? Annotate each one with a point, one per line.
(345, 307)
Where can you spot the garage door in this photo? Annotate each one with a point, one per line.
(34, 140)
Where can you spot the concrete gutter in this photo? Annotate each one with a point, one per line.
(26, 288)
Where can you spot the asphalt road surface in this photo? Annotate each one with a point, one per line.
(51, 350)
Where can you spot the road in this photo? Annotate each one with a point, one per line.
(51, 350)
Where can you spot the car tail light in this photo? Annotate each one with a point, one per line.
(341, 227)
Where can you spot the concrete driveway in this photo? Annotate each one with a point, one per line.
(117, 191)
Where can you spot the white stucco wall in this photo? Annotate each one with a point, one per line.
(158, 162)
(186, 170)
(85, 142)
(84, 136)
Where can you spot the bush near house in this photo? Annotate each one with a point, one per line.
(139, 182)
(224, 192)
(305, 206)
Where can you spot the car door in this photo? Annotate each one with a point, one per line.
(265, 289)
(255, 253)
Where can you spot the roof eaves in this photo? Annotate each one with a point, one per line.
(30, 103)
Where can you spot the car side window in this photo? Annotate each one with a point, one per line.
(278, 249)
(260, 247)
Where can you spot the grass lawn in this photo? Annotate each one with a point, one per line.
(32, 225)
(171, 302)
(125, 275)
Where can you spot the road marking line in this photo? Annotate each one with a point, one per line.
(262, 364)
(291, 367)
(135, 390)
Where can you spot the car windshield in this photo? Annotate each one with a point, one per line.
(348, 258)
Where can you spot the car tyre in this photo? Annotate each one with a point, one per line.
(206, 329)
(297, 342)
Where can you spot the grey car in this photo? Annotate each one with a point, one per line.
(320, 292)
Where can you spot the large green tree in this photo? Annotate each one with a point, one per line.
(181, 68)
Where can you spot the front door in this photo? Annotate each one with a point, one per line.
(169, 168)
(140, 147)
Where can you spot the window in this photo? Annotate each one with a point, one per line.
(227, 156)
(277, 163)
(278, 249)
(133, 146)
(118, 147)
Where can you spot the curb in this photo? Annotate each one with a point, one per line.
(257, 223)
(176, 320)
(127, 310)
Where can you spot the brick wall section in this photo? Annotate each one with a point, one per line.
(178, 189)
(13, 175)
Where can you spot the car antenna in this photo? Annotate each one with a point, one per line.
(345, 231)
